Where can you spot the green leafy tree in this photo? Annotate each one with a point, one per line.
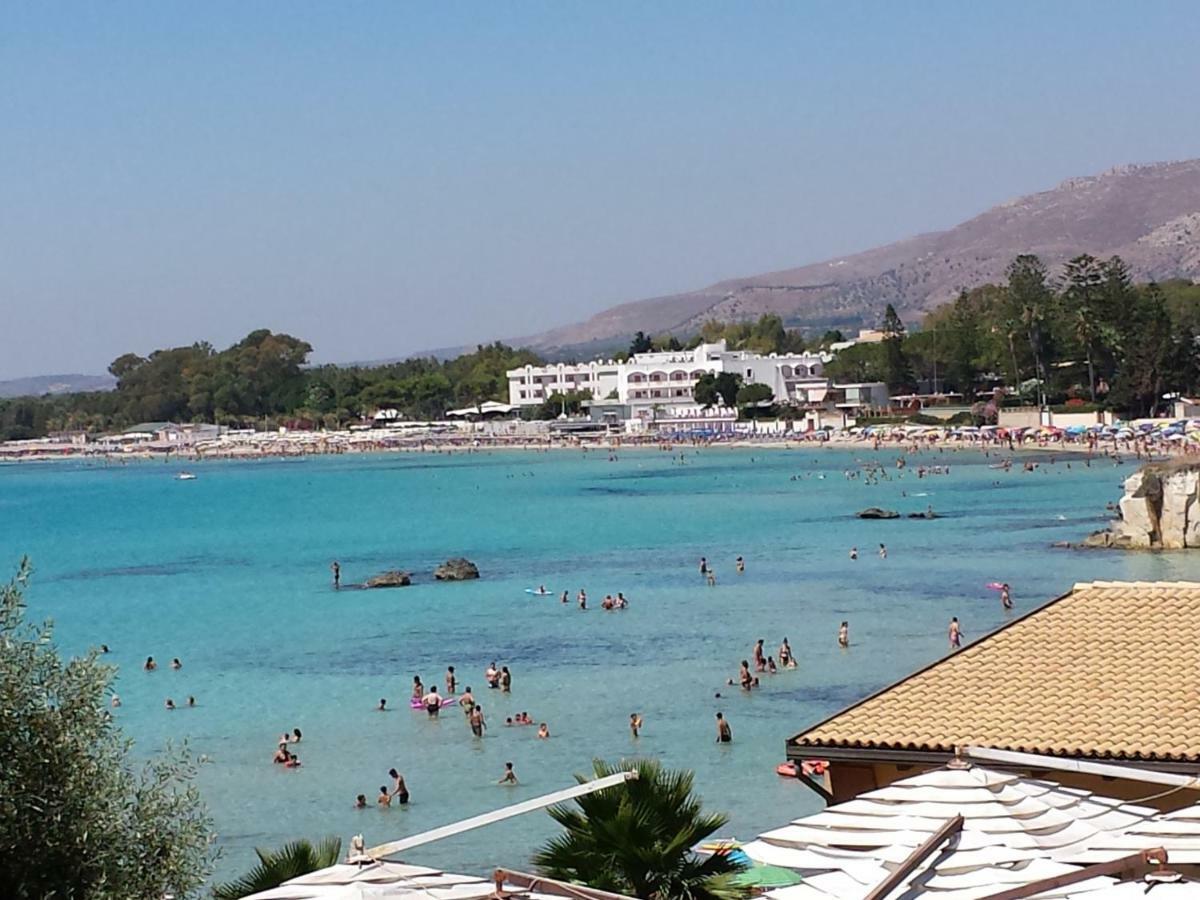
(640, 344)
(77, 817)
(274, 867)
(1033, 302)
(1083, 305)
(898, 370)
(637, 839)
(749, 396)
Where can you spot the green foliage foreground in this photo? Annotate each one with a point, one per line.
(637, 838)
(274, 867)
(78, 818)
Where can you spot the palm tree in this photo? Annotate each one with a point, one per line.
(637, 839)
(274, 867)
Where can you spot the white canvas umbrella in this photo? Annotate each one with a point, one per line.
(1015, 830)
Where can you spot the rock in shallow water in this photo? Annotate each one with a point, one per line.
(457, 569)
(393, 578)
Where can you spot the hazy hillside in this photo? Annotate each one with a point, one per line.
(55, 384)
(1149, 215)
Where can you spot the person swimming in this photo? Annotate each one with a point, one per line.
(116, 701)
(771, 668)
(170, 704)
(382, 707)
(360, 802)
(176, 664)
(150, 665)
(543, 731)
(509, 776)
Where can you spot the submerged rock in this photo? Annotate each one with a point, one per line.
(394, 578)
(457, 569)
(928, 514)
(874, 512)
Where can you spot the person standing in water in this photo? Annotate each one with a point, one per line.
(477, 722)
(509, 776)
(785, 655)
(703, 565)
(451, 680)
(635, 724)
(854, 553)
(505, 680)
(399, 788)
(432, 702)
(740, 565)
(1006, 596)
(844, 635)
(882, 552)
(954, 633)
(724, 732)
(336, 568)
(760, 662)
(582, 599)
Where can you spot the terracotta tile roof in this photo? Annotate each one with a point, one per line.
(1110, 670)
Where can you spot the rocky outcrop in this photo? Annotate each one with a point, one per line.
(393, 578)
(457, 569)
(874, 512)
(1160, 510)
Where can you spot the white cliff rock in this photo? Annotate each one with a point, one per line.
(1160, 510)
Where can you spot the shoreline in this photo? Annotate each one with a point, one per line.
(339, 444)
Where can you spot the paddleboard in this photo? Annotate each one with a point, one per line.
(539, 593)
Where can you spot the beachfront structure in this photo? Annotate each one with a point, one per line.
(660, 385)
(1109, 672)
(973, 832)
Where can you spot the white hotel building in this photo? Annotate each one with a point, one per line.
(662, 382)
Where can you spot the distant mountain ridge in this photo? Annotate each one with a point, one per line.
(1147, 214)
(40, 385)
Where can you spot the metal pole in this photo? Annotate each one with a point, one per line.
(914, 859)
(499, 815)
(1036, 761)
(1125, 865)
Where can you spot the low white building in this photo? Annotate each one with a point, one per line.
(666, 379)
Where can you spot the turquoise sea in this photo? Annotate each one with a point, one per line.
(230, 573)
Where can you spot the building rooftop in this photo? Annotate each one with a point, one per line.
(1110, 670)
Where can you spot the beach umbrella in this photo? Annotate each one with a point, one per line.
(1015, 830)
(765, 876)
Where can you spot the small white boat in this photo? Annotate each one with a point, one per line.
(185, 476)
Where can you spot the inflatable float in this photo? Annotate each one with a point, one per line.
(808, 767)
(415, 702)
(539, 593)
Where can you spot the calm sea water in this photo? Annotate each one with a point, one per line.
(230, 573)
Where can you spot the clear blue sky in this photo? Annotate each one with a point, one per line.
(391, 177)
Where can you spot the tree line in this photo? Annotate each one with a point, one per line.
(263, 380)
(1089, 337)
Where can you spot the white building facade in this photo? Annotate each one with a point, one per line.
(667, 379)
